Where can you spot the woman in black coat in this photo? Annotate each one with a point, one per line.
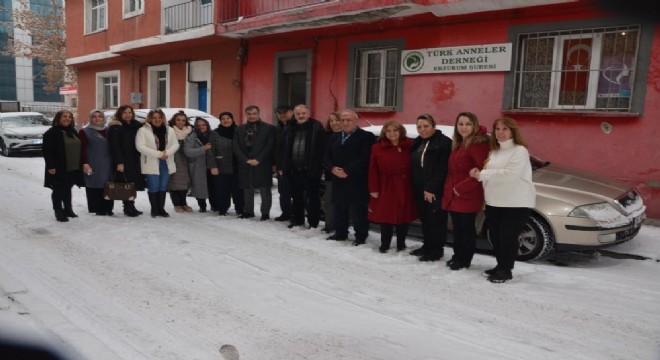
(61, 150)
(430, 157)
(97, 164)
(226, 130)
(125, 157)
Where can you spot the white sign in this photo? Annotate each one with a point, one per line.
(475, 58)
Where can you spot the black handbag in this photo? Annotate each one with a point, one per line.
(114, 190)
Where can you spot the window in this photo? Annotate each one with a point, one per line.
(591, 69)
(95, 15)
(107, 90)
(133, 8)
(376, 77)
(158, 86)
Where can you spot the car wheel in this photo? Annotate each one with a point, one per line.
(4, 150)
(536, 239)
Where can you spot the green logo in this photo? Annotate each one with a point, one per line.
(413, 61)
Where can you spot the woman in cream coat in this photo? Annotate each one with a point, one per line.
(157, 144)
(509, 193)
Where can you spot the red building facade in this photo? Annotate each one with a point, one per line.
(584, 84)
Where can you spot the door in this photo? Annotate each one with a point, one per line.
(293, 78)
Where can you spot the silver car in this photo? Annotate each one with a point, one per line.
(22, 132)
(575, 209)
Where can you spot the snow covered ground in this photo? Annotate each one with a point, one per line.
(179, 288)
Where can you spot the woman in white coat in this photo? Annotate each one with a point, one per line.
(157, 144)
(509, 193)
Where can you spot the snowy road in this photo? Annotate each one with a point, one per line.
(179, 288)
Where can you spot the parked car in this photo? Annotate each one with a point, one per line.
(22, 132)
(575, 209)
(214, 122)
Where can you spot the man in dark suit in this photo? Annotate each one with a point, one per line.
(284, 120)
(347, 158)
(254, 146)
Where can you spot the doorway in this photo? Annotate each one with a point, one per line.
(293, 78)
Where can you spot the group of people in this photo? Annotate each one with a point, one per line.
(391, 180)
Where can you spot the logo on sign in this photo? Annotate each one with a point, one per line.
(413, 61)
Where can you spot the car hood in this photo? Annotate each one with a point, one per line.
(27, 130)
(575, 186)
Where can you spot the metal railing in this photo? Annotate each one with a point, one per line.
(231, 10)
(186, 16)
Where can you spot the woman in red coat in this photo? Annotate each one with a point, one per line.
(391, 204)
(463, 197)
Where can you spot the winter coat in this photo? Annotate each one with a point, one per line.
(121, 136)
(55, 157)
(145, 142)
(470, 198)
(280, 147)
(180, 180)
(353, 156)
(430, 176)
(315, 137)
(389, 176)
(96, 153)
(263, 150)
(198, 165)
(221, 153)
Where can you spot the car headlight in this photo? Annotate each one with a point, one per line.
(603, 213)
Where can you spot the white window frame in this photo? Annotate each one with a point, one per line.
(128, 12)
(101, 8)
(363, 54)
(101, 88)
(152, 80)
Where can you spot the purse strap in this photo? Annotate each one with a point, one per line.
(114, 176)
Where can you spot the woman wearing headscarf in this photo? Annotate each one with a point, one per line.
(62, 153)
(229, 189)
(97, 163)
(196, 147)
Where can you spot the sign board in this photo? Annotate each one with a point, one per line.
(474, 58)
(68, 90)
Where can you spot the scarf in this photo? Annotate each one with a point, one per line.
(226, 132)
(97, 128)
(161, 136)
(181, 134)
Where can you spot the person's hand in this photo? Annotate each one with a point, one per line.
(339, 172)
(164, 156)
(374, 195)
(87, 169)
(475, 173)
(253, 162)
(120, 167)
(429, 197)
(207, 147)
(52, 171)
(215, 171)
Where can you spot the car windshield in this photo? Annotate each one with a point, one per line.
(537, 163)
(23, 121)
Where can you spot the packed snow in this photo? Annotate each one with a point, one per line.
(180, 288)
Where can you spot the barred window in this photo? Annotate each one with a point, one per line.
(584, 69)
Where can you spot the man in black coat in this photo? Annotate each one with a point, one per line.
(303, 144)
(347, 158)
(254, 146)
(284, 120)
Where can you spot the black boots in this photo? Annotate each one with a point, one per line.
(153, 201)
(202, 205)
(60, 216)
(130, 210)
(157, 201)
(162, 196)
